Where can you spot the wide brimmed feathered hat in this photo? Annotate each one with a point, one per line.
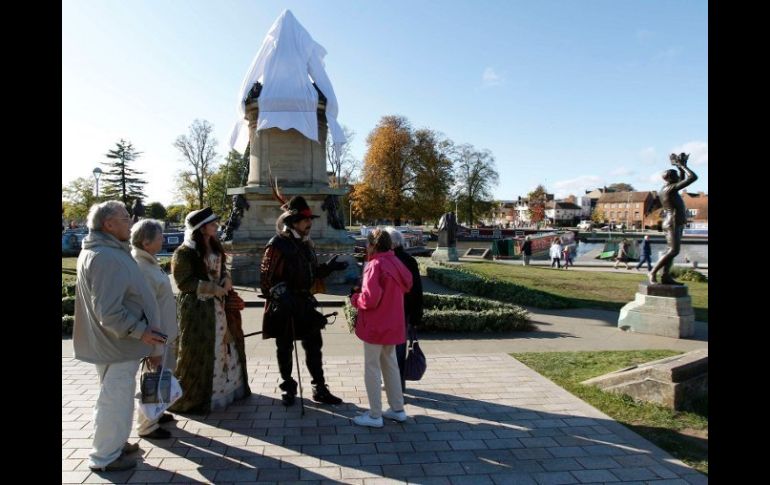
(297, 209)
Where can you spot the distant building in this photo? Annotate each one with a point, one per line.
(594, 195)
(632, 209)
(697, 206)
(504, 213)
(522, 208)
(563, 213)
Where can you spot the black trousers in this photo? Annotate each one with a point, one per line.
(401, 356)
(646, 258)
(312, 345)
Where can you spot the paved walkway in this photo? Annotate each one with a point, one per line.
(477, 417)
(474, 419)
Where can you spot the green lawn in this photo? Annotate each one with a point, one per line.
(68, 270)
(680, 433)
(592, 289)
(69, 267)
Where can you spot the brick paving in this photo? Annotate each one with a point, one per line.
(473, 419)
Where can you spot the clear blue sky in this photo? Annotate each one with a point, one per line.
(571, 94)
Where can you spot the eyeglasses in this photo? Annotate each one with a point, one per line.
(122, 219)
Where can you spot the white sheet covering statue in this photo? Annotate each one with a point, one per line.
(447, 227)
(284, 65)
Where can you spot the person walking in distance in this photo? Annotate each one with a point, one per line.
(622, 256)
(555, 253)
(526, 250)
(646, 254)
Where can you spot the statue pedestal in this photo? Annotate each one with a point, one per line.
(258, 227)
(659, 310)
(445, 254)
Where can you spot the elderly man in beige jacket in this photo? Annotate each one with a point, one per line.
(116, 317)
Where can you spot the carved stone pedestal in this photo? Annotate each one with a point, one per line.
(659, 310)
(677, 382)
(258, 226)
(299, 166)
(445, 254)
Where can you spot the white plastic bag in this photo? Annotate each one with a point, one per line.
(166, 392)
(156, 409)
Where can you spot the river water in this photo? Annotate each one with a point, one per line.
(693, 252)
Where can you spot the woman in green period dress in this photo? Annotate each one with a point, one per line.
(211, 364)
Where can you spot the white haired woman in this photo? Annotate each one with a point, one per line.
(146, 242)
(412, 299)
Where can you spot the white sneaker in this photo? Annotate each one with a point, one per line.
(366, 420)
(399, 416)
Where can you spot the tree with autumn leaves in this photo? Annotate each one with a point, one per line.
(412, 174)
(537, 199)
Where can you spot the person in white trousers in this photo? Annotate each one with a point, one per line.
(116, 317)
(381, 326)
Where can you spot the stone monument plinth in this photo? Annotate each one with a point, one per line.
(677, 382)
(299, 166)
(446, 247)
(659, 309)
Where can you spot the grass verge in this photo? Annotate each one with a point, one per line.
(683, 434)
(590, 289)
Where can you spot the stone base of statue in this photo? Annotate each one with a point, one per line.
(258, 227)
(445, 254)
(659, 310)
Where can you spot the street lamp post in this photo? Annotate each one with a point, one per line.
(457, 212)
(351, 214)
(97, 173)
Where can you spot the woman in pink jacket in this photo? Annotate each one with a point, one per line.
(380, 325)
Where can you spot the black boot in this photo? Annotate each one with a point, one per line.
(321, 394)
(290, 391)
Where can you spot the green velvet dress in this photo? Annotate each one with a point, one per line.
(211, 361)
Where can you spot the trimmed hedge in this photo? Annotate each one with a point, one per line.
(68, 305)
(165, 264)
(467, 282)
(67, 289)
(688, 274)
(444, 313)
(67, 321)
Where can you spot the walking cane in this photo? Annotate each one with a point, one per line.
(332, 314)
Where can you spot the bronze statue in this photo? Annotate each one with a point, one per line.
(333, 212)
(447, 227)
(234, 221)
(137, 210)
(675, 215)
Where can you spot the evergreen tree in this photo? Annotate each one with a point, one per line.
(156, 210)
(120, 182)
